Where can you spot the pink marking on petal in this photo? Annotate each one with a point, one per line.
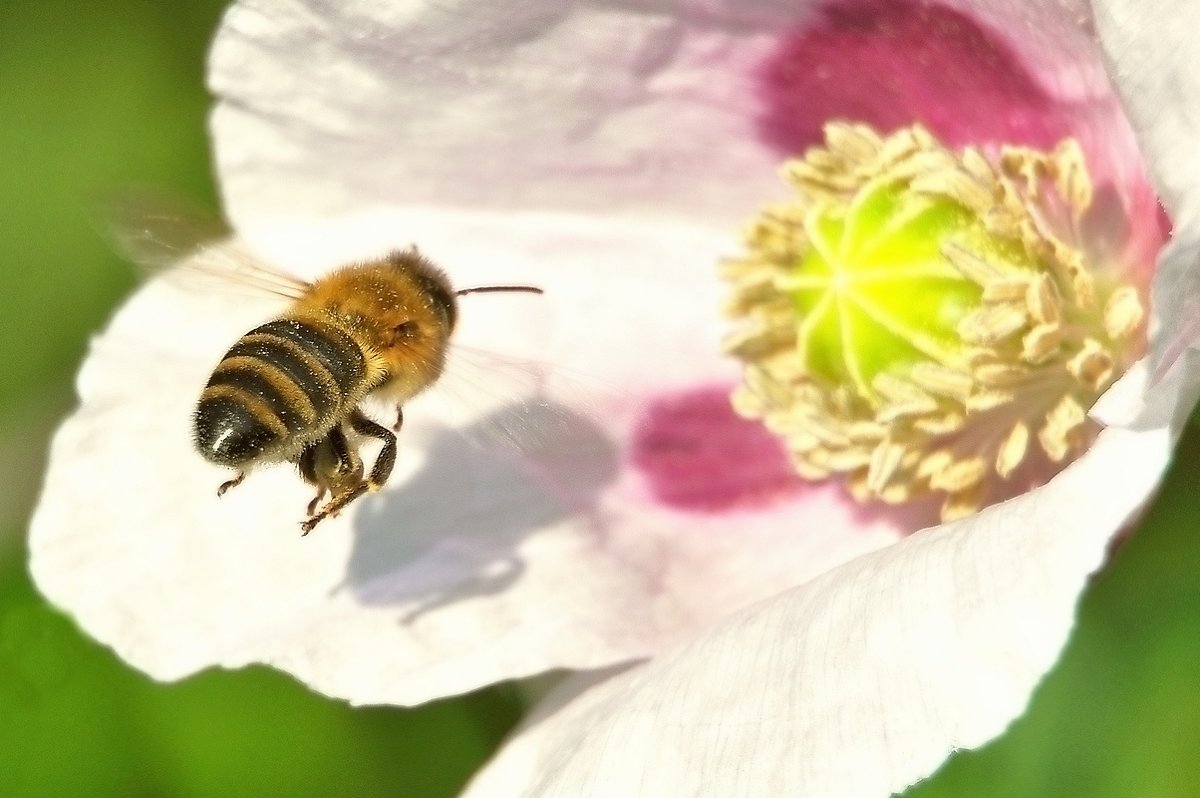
(889, 63)
(696, 454)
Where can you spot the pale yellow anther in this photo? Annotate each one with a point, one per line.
(957, 184)
(1062, 421)
(1007, 289)
(973, 266)
(746, 403)
(896, 493)
(942, 424)
(978, 166)
(1041, 344)
(1081, 281)
(827, 433)
(921, 164)
(933, 463)
(1001, 375)
(856, 482)
(823, 161)
(1000, 222)
(1092, 365)
(893, 389)
(847, 460)
(884, 460)
(976, 357)
(914, 315)
(800, 440)
(857, 143)
(807, 470)
(1071, 175)
(819, 181)
(757, 342)
(959, 475)
(983, 400)
(1123, 313)
(992, 324)
(964, 503)
(942, 381)
(916, 409)
(1025, 164)
(1042, 300)
(900, 146)
(1012, 451)
(866, 431)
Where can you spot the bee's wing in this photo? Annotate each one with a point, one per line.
(499, 401)
(192, 247)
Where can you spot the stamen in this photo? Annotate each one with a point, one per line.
(915, 317)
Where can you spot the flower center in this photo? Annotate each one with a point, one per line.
(924, 322)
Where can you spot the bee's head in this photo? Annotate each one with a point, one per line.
(429, 281)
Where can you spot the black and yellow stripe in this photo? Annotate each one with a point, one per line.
(283, 379)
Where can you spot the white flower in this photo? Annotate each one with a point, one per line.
(798, 642)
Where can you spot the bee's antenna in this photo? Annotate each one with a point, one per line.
(488, 289)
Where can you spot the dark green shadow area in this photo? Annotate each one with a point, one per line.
(1120, 715)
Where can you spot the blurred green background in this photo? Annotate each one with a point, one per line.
(94, 97)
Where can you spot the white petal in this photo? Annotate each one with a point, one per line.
(862, 681)
(644, 108)
(1155, 66)
(493, 104)
(474, 566)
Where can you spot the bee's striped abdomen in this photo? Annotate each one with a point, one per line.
(283, 380)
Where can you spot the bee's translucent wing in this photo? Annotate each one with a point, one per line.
(501, 402)
(191, 246)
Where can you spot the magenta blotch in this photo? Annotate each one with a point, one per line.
(697, 455)
(890, 64)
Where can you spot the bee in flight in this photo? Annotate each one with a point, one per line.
(291, 390)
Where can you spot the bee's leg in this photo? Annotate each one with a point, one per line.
(399, 418)
(346, 467)
(387, 455)
(306, 461)
(312, 505)
(231, 483)
(331, 465)
(380, 471)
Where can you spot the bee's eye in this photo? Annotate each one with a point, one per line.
(405, 331)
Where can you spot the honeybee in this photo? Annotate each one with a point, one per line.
(290, 389)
